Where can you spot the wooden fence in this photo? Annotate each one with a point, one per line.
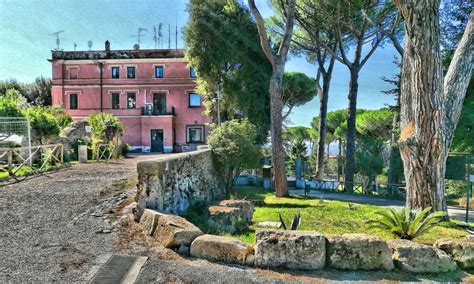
(12, 160)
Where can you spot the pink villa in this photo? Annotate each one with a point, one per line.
(151, 91)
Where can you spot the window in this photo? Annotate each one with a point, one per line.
(115, 100)
(115, 72)
(131, 100)
(195, 134)
(131, 72)
(194, 100)
(72, 101)
(73, 73)
(159, 72)
(192, 73)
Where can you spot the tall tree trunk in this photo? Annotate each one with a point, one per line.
(278, 61)
(392, 179)
(339, 160)
(423, 141)
(278, 153)
(323, 110)
(429, 109)
(351, 129)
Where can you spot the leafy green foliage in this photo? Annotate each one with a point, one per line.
(407, 224)
(12, 104)
(43, 122)
(36, 93)
(233, 144)
(223, 47)
(99, 123)
(298, 89)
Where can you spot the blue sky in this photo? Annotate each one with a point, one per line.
(25, 43)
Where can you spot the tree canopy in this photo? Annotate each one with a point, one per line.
(223, 47)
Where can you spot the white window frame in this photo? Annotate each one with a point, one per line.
(188, 127)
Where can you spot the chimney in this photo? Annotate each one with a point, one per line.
(107, 45)
(136, 46)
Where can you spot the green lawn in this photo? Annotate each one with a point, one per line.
(22, 171)
(327, 217)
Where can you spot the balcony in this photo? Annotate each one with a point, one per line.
(150, 109)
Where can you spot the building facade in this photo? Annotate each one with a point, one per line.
(152, 92)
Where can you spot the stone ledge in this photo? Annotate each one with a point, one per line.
(418, 258)
(304, 250)
(224, 249)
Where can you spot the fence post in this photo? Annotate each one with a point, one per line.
(10, 161)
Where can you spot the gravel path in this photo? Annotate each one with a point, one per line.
(43, 235)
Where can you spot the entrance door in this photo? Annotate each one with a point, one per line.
(159, 103)
(157, 140)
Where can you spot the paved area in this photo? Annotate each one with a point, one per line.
(453, 211)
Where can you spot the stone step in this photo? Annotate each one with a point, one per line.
(120, 269)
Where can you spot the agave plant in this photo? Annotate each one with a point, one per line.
(407, 224)
(294, 224)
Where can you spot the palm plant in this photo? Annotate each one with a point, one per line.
(407, 224)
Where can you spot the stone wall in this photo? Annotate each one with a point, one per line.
(171, 183)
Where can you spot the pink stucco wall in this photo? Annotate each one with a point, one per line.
(176, 85)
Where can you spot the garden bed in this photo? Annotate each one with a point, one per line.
(326, 217)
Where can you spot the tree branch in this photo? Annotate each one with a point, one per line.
(390, 34)
(459, 74)
(262, 33)
(372, 50)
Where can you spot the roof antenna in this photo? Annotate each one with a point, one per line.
(169, 36)
(176, 33)
(139, 34)
(56, 34)
(89, 44)
(75, 45)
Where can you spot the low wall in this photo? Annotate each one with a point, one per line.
(171, 183)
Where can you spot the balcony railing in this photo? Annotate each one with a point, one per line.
(150, 110)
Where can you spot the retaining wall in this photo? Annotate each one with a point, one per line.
(171, 183)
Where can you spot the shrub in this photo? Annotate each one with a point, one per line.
(43, 122)
(407, 224)
(99, 123)
(233, 144)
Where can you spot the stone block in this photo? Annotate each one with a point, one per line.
(225, 219)
(246, 208)
(418, 258)
(174, 231)
(462, 251)
(223, 249)
(358, 252)
(305, 250)
(149, 221)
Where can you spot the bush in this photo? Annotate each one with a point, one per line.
(235, 149)
(455, 188)
(43, 122)
(99, 124)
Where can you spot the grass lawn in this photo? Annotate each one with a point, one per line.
(327, 217)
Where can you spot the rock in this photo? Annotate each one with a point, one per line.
(106, 231)
(225, 219)
(219, 248)
(462, 251)
(183, 250)
(358, 252)
(250, 259)
(269, 224)
(246, 208)
(418, 258)
(149, 221)
(174, 231)
(304, 250)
